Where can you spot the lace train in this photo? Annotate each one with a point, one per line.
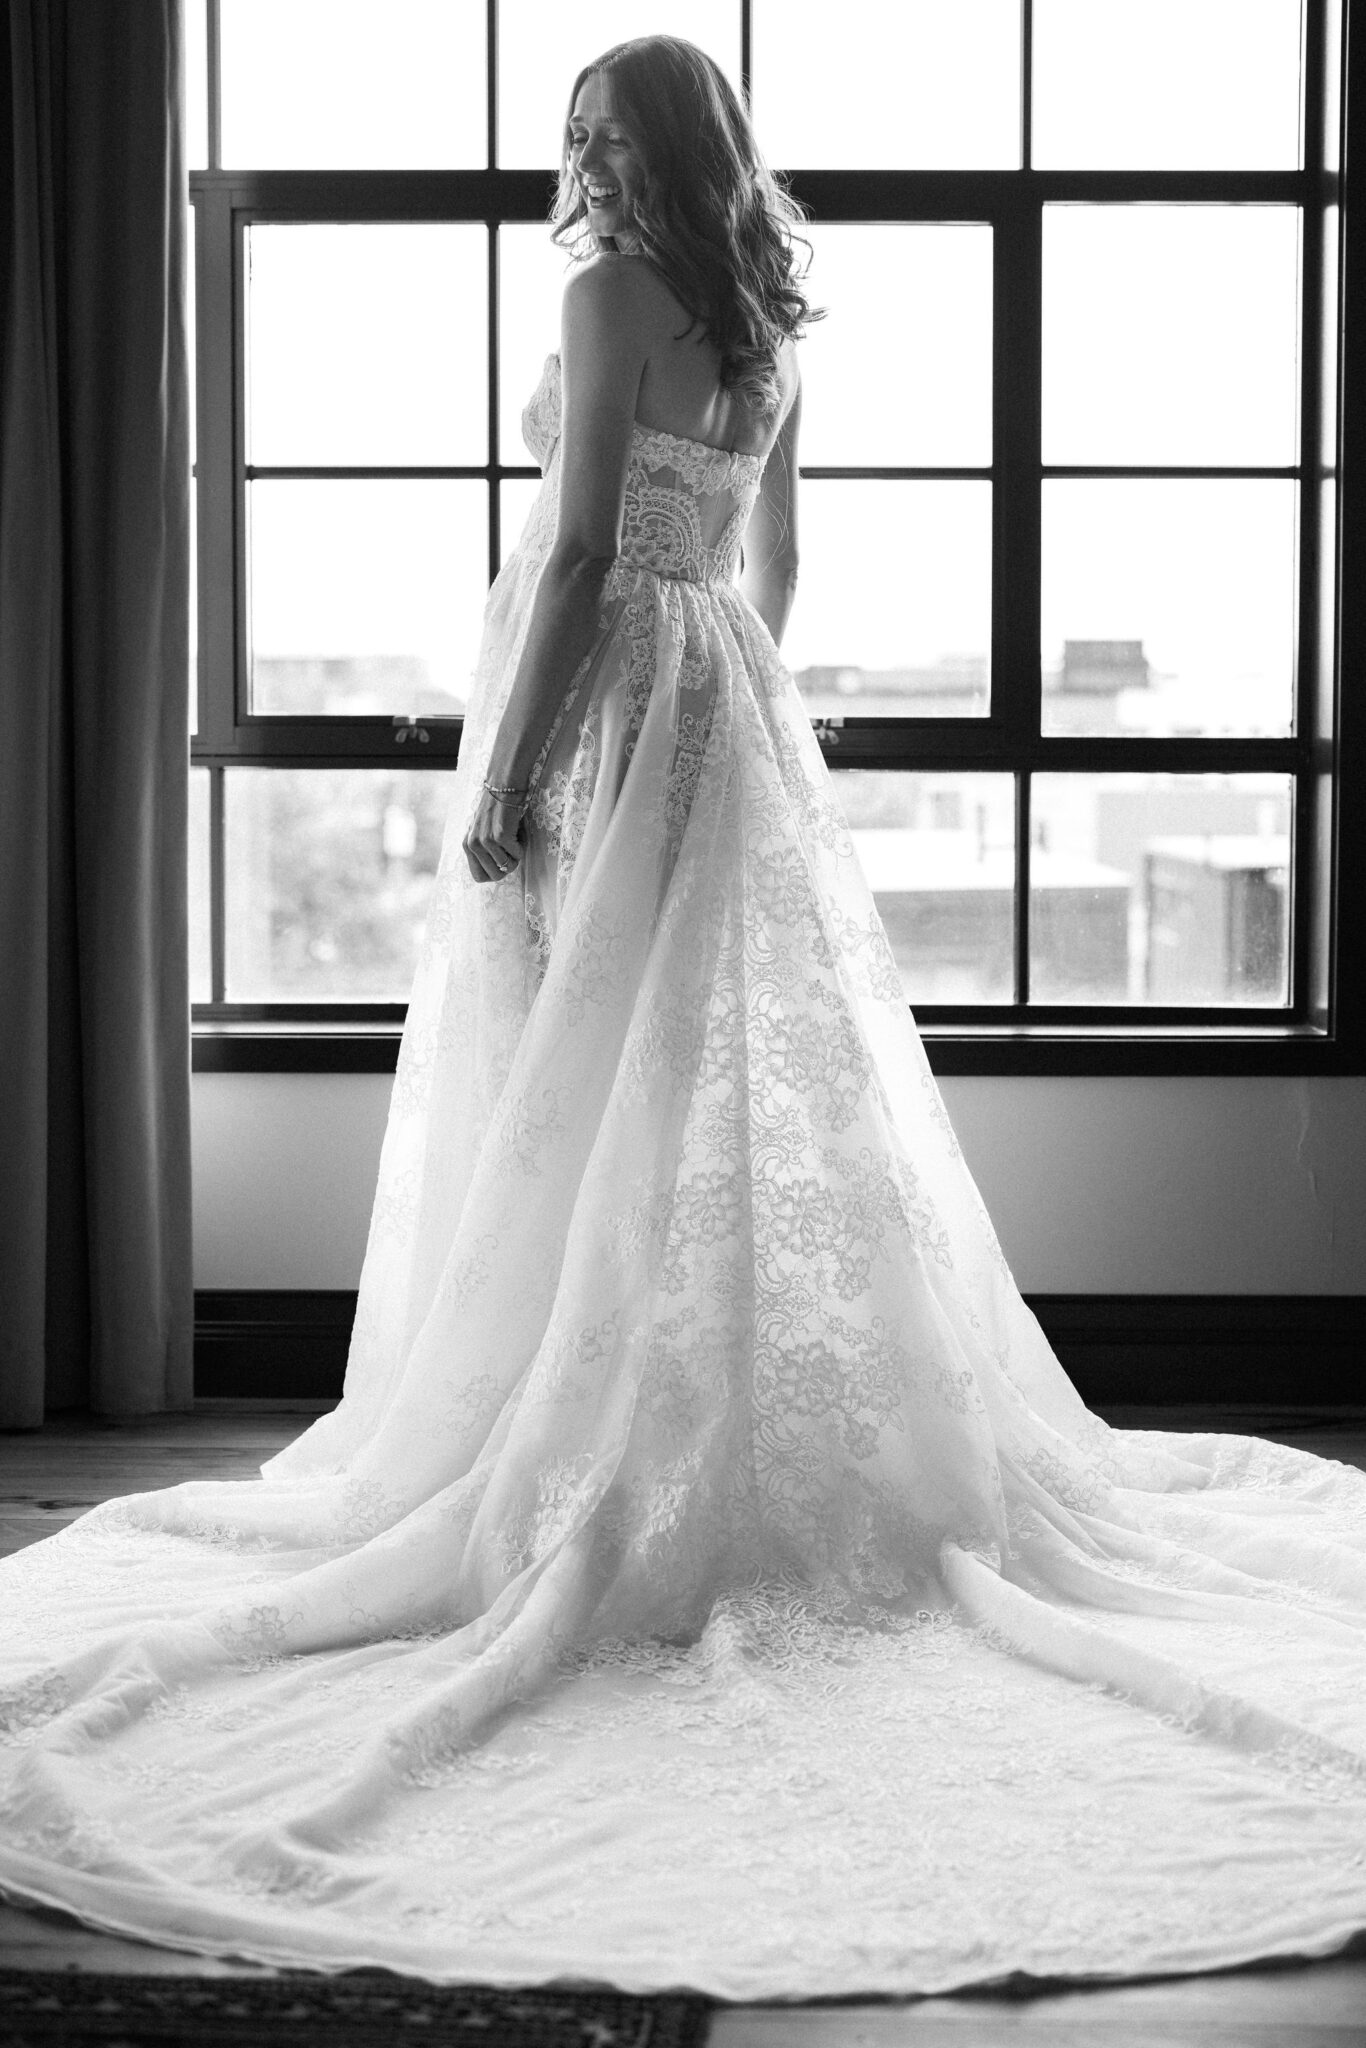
(710, 1576)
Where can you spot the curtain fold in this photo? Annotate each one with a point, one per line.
(96, 1299)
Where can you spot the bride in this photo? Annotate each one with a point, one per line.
(709, 1577)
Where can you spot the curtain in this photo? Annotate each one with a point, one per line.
(96, 1302)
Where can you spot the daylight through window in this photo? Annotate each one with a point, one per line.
(1066, 562)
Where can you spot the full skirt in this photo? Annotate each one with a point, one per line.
(710, 1577)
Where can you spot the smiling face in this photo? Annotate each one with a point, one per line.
(603, 163)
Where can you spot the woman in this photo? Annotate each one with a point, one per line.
(710, 1576)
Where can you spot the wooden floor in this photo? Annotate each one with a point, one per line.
(49, 1477)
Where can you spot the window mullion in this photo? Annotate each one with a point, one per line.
(1016, 682)
(1016, 685)
(214, 53)
(495, 401)
(1306, 887)
(1310, 882)
(491, 78)
(216, 468)
(1023, 849)
(217, 889)
(1026, 84)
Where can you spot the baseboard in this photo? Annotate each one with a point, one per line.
(272, 1343)
(1244, 1350)
(1226, 1350)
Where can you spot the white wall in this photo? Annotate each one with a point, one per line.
(1132, 1186)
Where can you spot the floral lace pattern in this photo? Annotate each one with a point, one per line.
(710, 1576)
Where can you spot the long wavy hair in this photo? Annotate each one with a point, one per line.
(713, 220)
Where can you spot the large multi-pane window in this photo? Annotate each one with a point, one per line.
(1066, 611)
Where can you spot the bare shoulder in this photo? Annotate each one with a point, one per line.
(620, 294)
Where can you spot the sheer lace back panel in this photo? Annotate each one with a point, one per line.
(686, 503)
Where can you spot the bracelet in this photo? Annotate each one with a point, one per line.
(504, 792)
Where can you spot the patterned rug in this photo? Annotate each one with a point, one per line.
(302, 2011)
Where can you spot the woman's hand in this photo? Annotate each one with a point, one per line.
(493, 839)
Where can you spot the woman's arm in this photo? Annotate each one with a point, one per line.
(603, 348)
(769, 576)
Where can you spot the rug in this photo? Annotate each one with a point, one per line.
(302, 2011)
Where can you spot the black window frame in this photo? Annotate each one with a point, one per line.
(1325, 1030)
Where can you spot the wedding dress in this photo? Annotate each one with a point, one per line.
(710, 1577)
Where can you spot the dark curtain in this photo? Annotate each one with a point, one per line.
(96, 1304)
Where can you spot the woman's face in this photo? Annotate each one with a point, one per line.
(604, 164)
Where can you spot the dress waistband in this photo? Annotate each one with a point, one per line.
(627, 566)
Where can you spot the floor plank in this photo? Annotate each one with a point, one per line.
(48, 1477)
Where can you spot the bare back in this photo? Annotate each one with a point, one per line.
(680, 389)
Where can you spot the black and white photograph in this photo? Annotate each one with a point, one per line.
(683, 1023)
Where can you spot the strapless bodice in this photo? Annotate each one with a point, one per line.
(687, 503)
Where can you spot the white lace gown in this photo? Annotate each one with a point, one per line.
(710, 1577)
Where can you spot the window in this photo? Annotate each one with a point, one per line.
(1069, 619)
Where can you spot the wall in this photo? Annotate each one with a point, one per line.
(1136, 1186)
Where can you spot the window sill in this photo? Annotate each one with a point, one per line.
(349, 1047)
